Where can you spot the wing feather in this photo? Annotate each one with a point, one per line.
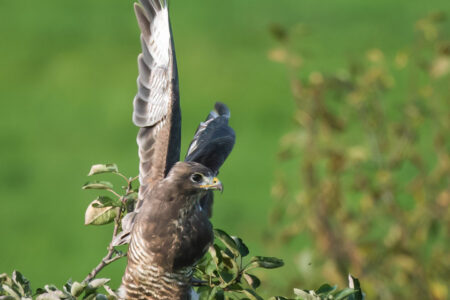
(211, 145)
(156, 104)
(156, 71)
(213, 140)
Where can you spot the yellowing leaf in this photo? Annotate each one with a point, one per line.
(99, 215)
(103, 168)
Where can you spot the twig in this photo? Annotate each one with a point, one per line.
(123, 176)
(109, 258)
(112, 255)
(114, 192)
(198, 282)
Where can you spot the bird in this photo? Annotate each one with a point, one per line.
(169, 230)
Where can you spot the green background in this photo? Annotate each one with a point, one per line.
(67, 80)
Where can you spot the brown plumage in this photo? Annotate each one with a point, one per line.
(170, 234)
(169, 231)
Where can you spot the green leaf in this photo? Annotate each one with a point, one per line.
(264, 262)
(214, 251)
(92, 287)
(97, 185)
(40, 291)
(243, 249)
(236, 287)
(103, 168)
(344, 293)
(354, 284)
(68, 286)
(7, 298)
(252, 295)
(305, 295)
(278, 298)
(3, 277)
(203, 292)
(213, 294)
(77, 289)
(96, 283)
(206, 265)
(105, 201)
(22, 283)
(252, 280)
(228, 270)
(131, 197)
(227, 241)
(130, 201)
(101, 297)
(10, 292)
(89, 296)
(48, 296)
(110, 292)
(99, 216)
(53, 291)
(325, 289)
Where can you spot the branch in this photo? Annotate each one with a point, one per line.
(112, 255)
(109, 258)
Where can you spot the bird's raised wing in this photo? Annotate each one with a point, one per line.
(213, 140)
(212, 143)
(156, 105)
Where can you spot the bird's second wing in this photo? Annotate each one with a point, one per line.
(213, 140)
(212, 143)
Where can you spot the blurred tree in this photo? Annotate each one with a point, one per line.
(372, 147)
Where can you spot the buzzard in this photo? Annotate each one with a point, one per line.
(169, 231)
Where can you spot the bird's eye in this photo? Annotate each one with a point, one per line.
(197, 177)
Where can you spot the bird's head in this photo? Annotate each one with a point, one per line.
(192, 177)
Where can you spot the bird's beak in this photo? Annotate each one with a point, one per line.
(213, 184)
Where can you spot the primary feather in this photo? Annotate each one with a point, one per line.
(156, 105)
(213, 140)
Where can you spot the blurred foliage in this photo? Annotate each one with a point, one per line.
(371, 142)
(18, 287)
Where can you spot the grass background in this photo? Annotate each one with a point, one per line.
(67, 80)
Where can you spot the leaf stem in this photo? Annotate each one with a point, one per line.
(114, 192)
(112, 255)
(121, 175)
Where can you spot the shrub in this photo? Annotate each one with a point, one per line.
(372, 149)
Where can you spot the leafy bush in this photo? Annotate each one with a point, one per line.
(372, 148)
(221, 274)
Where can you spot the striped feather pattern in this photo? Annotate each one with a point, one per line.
(145, 279)
(153, 100)
(156, 105)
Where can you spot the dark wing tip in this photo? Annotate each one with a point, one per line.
(213, 140)
(153, 5)
(222, 109)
